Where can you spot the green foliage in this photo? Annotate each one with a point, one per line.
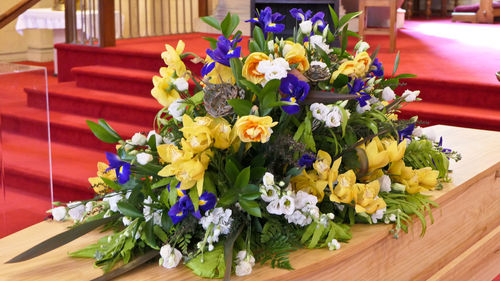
(103, 131)
(422, 153)
(276, 242)
(319, 235)
(210, 264)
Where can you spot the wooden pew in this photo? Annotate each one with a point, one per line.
(485, 14)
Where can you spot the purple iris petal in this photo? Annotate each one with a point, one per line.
(300, 15)
(181, 209)
(207, 201)
(379, 70)
(307, 160)
(318, 19)
(357, 87)
(295, 90)
(223, 52)
(406, 132)
(268, 21)
(290, 109)
(121, 168)
(440, 144)
(207, 68)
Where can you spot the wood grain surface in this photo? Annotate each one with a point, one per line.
(467, 223)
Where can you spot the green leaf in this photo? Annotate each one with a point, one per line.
(299, 133)
(160, 233)
(108, 128)
(236, 68)
(405, 75)
(228, 251)
(212, 41)
(160, 183)
(225, 25)
(209, 264)
(129, 210)
(212, 22)
(324, 57)
(253, 46)
(308, 233)
(345, 19)
(111, 184)
(344, 40)
(241, 107)
(340, 81)
(258, 36)
(231, 170)
(172, 195)
(101, 133)
(257, 173)
(318, 233)
(242, 179)
(252, 207)
(335, 17)
(195, 198)
(268, 93)
(352, 34)
(208, 184)
(148, 235)
(197, 98)
(235, 21)
(396, 64)
(256, 89)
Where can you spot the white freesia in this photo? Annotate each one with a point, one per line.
(333, 118)
(318, 42)
(170, 257)
(410, 96)
(417, 131)
(362, 46)
(319, 111)
(274, 207)
(268, 179)
(388, 94)
(360, 109)
(269, 193)
(270, 46)
(333, 245)
(385, 183)
(181, 84)
(243, 256)
(138, 139)
(113, 201)
(306, 27)
(287, 204)
(76, 210)
(158, 138)
(144, 158)
(177, 109)
(243, 268)
(378, 215)
(59, 213)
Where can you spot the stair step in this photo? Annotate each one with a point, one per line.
(65, 128)
(26, 165)
(446, 114)
(68, 98)
(116, 79)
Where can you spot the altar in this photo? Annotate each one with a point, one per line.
(462, 244)
(46, 18)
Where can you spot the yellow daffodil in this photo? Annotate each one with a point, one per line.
(197, 138)
(163, 90)
(172, 58)
(251, 128)
(249, 70)
(188, 172)
(322, 164)
(310, 183)
(362, 63)
(170, 153)
(346, 68)
(427, 178)
(366, 197)
(377, 156)
(221, 131)
(343, 191)
(395, 151)
(297, 55)
(97, 183)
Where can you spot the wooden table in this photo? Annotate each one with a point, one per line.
(463, 244)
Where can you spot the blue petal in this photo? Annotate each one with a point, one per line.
(207, 201)
(274, 27)
(176, 213)
(114, 160)
(290, 109)
(207, 68)
(123, 173)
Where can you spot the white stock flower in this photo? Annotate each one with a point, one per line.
(243, 268)
(113, 201)
(410, 96)
(89, 206)
(170, 257)
(76, 210)
(275, 69)
(138, 139)
(126, 221)
(306, 27)
(181, 84)
(268, 179)
(243, 256)
(287, 204)
(303, 198)
(158, 138)
(59, 213)
(388, 94)
(417, 131)
(385, 183)
(318, 42)
(144, 158)
(298, 218)
(333, 245)
(361, 109)
(176, 109)
(274, 207)
(378, 215)
(334, 118)
(319, 111)
(268, 193)
(318, 63)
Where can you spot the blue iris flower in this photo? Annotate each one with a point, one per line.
(307, 160)
(207, 68)
(182, 209)
(357, 88)
(317, 19)
(444, 150)
(268, 21)
(223, 53)
(379, 70)
(295, 91)
(406, 132)
(207, 201)
(121, 168)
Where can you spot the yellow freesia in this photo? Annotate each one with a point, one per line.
(322, 164)
(163, 90)
(197, 138)
(427, 178)
(395, 151)
(251, 128)
(97, 183)
(249, 70)
(309, 182)
(343, 191)
(366, 197)
(172, 58)
(414, 180)
(297, 55)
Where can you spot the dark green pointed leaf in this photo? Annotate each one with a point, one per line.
(228, 252)
(241, 107)
(396, 64)
(129, 210)
(212, 41)
(252, 207)
(258, 36)
(335, 17)
(130, 266)
(212, 22)
(108, 128)
(101, 133)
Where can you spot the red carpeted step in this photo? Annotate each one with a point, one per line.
(65, 128)
(116, 79)
(26, 166)
(435, 113)
(66, 97)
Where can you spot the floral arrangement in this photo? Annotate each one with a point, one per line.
(280, 149)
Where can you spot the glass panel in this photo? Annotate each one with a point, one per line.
(25, 154)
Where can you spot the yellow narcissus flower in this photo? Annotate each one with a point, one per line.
(249, 70)
(197, 138)
(372, 176)
(297, 54)
(322, 164)
(395, 151)
(427, 178)
(172, 58)
(343, 191)
(170, 153)
(362, 63)
(163, 90)
(97, 183)
(221, 131)
(377, 156)
(366, 197)
(414, 180)
(310, 183)
(220, 74)
(251, 128)
(346, 68)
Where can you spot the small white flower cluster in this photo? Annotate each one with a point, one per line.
(361, 46)
(318, 42)
(177, 109)
(146, 210)
(216, 222)
(306, 27)
(113, 199)
(181, 84)
(273, 69)
(331, 115)
(139, 139)
(244, 263)
(410, 96)
(378, 215)
(298, 208)
(333, 245)
(170, 257)
(76, 211)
